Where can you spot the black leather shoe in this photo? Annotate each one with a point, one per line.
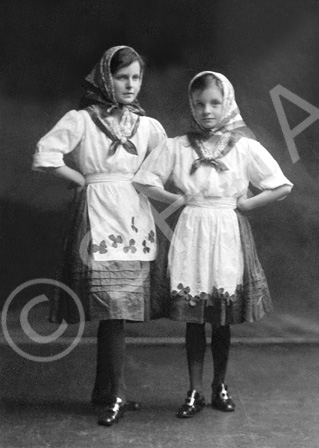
(193, 404)
(221, 400)
(130, 405)
(111, 413)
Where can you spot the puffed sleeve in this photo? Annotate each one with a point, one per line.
(158, 166)
(263, 170)
(156, 136)
(61, 140)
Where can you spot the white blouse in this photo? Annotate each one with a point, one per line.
(121, 222)
(248, 161)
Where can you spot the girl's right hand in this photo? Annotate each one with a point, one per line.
(182, 199)
(78, 180)
(74, 186)
(72, 176)
(187, 197)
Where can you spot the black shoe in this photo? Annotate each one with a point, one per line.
(193, 404)
(111, 413)
(221, 400)
(100, 400)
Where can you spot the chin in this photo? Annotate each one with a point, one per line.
(208, 127)
(127, 100)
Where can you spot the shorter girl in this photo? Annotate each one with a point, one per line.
(110, 241)
(215, 274)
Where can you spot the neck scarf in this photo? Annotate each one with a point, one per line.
(99, 100)
(231, 127)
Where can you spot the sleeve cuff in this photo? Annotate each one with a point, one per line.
(148, 178)
(275, 181)
(43, 160)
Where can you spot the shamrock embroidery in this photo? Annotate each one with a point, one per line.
(101, 248)
(151, 236)
(194, 300)
(131, 247)
(145, 248)
(185, 292)
(116, 240)
(221, 294)
(133, 225)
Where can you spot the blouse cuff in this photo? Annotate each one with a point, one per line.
(42, 160)
(275, 181)
(148, 178)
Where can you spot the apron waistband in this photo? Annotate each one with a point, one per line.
(107, 177)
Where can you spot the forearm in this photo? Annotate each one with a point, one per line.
(70, 175)
(264, 198)
(160, 194)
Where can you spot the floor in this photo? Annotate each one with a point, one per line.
(275, 388)
(272, 377)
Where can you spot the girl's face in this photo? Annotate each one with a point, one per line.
(208, 106)
(127, 83)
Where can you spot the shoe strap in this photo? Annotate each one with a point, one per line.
(116, 406)
(224, 392)
(190, 401)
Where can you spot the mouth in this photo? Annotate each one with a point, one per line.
(210, 122)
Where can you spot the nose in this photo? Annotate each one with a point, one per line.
(129, 83)
(206, 109)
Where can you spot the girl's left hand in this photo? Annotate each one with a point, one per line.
(243, 202)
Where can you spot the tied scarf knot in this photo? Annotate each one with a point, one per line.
(211, 161)
(116, 140)
(127, 145)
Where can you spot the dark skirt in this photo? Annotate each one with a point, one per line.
(106, 289)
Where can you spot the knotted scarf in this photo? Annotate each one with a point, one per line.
(116, 141)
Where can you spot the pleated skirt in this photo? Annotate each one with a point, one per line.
(106, 289)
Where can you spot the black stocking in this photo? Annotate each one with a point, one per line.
(195, 349)
(110, 359)
(220, 351)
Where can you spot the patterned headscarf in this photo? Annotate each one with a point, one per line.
(99, 87)
(231, 127)
(230, 117)
(99, 101)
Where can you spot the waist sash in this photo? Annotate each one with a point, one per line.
(108, 177)
(212, 202)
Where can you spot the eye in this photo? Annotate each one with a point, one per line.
(120, 77)
(136, 77)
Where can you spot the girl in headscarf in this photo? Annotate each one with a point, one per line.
(215, 274)
(110, 240)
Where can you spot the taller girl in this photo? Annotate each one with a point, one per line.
(215, 275)
(111, 234)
